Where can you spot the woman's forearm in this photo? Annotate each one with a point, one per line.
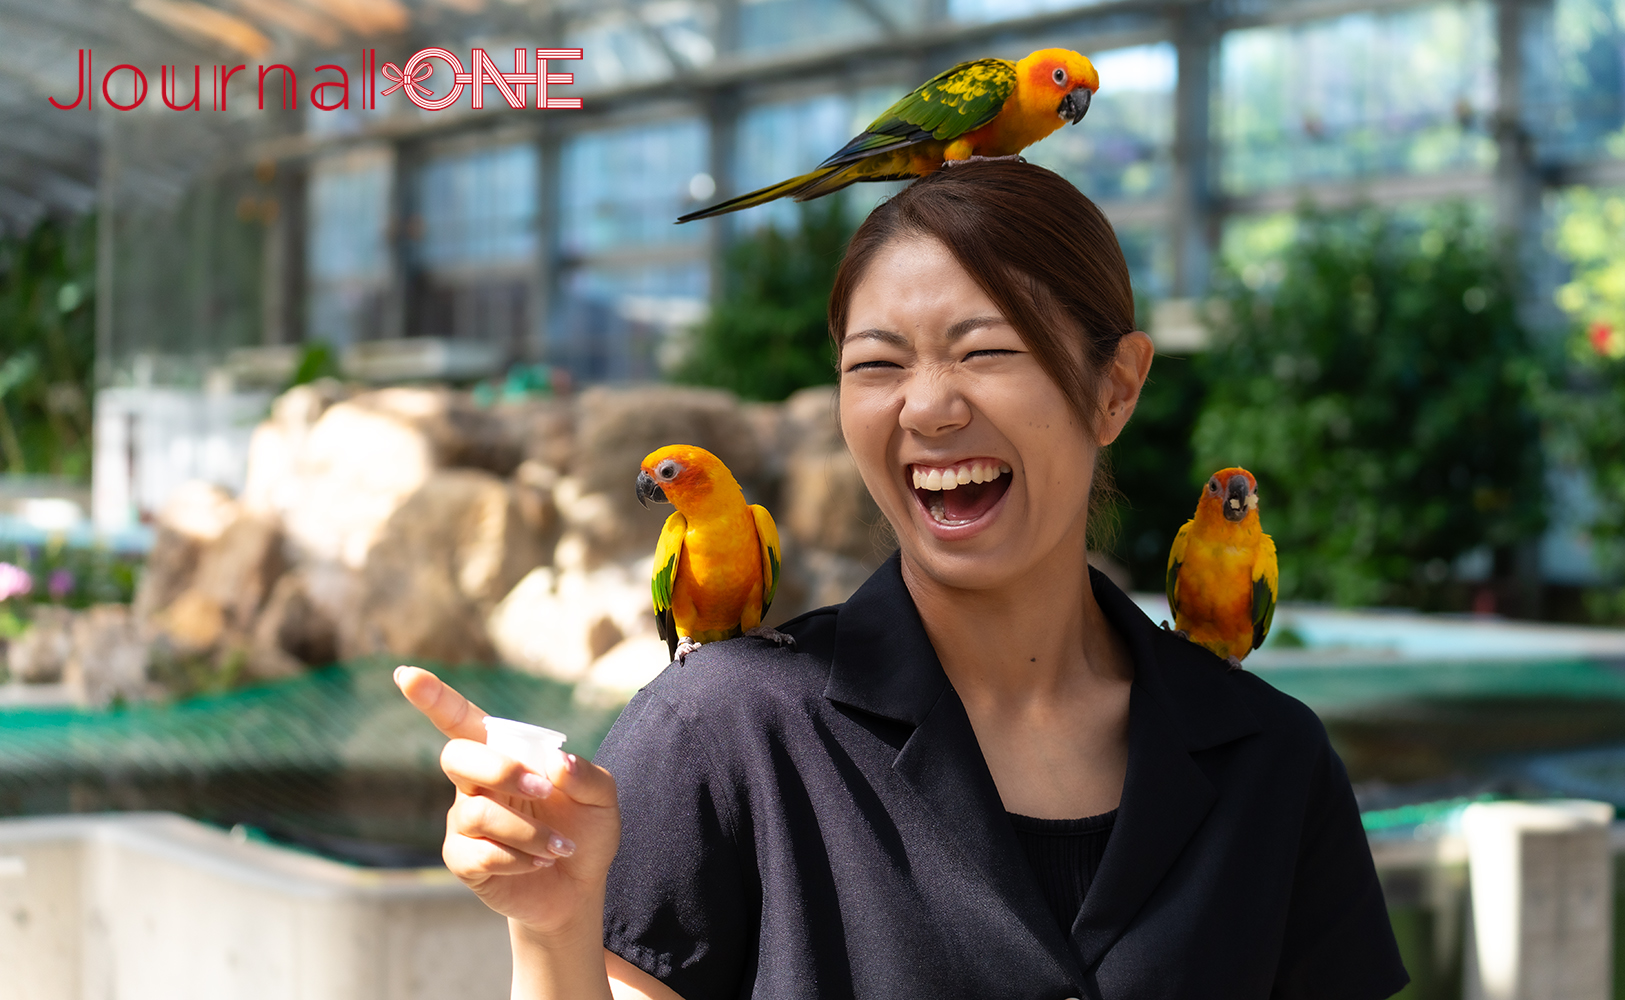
(560, 966)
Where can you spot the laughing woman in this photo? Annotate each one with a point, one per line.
(985, 775)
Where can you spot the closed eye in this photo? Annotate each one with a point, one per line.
(991, 352)
(860, 366)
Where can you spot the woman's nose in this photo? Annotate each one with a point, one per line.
(933, 405)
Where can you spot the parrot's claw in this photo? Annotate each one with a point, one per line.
(772, 635)
(685, 646)
(1012, 158)
(1235, 664)
(1182, 634)
(1166, 627)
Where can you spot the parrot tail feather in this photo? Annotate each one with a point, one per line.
(791, 188)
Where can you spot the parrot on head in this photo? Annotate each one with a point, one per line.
(716, 565)
(1222, 575)
(984, 108)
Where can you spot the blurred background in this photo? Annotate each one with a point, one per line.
(289, 395)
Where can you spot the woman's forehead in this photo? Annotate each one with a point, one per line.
(918, 280)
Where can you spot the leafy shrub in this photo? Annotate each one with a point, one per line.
(1384, 393)
(768, 331)
(47, 348)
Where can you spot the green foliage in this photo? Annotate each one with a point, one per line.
(1385, 395)
(72, 576)
(1151, 462)
(768, 332)
(47, 349)
(316, 361)
(1590, 415)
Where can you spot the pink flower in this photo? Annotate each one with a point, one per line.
(1601, 336)
(14, 581)
(60, 584)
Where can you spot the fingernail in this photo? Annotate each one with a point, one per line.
(398, 674)
(535, 785)
(542, 861)
(562, 846)
(570, 761)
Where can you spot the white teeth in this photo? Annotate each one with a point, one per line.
(937, 480)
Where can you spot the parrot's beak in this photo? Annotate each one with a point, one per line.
(1236, 494)
(1076, 104)
(648, 489)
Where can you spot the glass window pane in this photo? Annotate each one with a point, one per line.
(1574, 86)
(1124, 148)
(620, 50)
(999, 10)
(622, 324)
(626, 187)
(348, 248)
(786, 24)
(1366, 94)
(477, 208)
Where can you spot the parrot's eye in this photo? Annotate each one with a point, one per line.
(667, 471)
(1213, 485)
(1059, 76)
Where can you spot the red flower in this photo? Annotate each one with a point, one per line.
(1601, 337)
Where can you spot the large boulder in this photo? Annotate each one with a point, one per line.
(195, 516)
(454, 548)
(365, 456)
(111, 657)
(559, 620)
(824, 504)
(39, 655)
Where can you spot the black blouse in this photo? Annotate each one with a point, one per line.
(1064, 855)
(818, 822)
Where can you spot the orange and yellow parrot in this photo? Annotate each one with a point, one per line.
(984, 108)
(716, 565)
(1222, 577)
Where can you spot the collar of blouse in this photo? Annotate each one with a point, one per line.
(884, 664)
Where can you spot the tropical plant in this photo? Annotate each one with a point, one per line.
(47, 348)
(1385, 393)
(768, 331)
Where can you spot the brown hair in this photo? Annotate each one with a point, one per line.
(1041, 251)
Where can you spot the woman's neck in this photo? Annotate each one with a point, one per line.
(1032, 640)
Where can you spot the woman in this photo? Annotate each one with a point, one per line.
(987, 774)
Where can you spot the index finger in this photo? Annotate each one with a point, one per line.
(451, 713)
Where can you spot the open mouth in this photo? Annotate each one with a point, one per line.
(959, 494)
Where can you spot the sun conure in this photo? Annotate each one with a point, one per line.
(983, 108)
(1222, 577)
(716, 565)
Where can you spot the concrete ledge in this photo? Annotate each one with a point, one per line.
(137, 906)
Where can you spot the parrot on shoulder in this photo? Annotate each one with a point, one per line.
(716, 565)
(1222, 574)
(985, 108)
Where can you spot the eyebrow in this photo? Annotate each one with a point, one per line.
(955, 332)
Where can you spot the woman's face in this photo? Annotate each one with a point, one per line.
(937, 388)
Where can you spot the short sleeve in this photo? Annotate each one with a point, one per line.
(1339, 943)
(677, 905)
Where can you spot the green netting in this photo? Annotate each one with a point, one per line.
(336, 760)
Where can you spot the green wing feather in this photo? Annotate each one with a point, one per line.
(1266, 585)
(667, 553)
(950, 104)
(767, 535)
(1176, 559)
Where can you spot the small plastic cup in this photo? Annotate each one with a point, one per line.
(532, 746)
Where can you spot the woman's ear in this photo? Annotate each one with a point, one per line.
(1121, 388)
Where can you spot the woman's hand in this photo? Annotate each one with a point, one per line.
(534, 847)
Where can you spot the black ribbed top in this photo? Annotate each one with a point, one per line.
(1064, 854)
